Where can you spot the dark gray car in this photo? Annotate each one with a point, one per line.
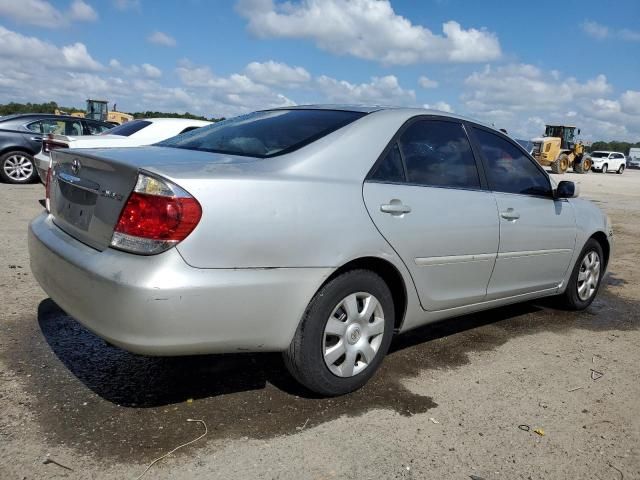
(21, 138)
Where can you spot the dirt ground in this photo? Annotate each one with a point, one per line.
(447, 403)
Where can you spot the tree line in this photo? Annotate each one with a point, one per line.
(615, 146)
(51, 107)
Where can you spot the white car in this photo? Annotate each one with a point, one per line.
(135, 133)
(608, 161)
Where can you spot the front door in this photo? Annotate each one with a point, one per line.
(537, 232)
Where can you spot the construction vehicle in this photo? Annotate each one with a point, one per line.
(99, 110)
(559, 149)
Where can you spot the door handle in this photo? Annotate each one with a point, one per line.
(36, 139)
(510, 214)
(395, 207)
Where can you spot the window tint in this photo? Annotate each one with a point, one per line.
(128, 128)
(509, 169)
(58, 127)
(390, 169)
(438, 153)
(264, 134)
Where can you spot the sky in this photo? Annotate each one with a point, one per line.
(517, 65)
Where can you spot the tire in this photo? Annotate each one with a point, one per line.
(582, 166)
(620, 170)
(560, 164)
(17, 167)
(574, 297)
(605, 168)
(305, 358)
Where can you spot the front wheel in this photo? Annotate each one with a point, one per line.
(344, 334)
(17, 167)
(620, 169)
(605, 167)
(585, 278)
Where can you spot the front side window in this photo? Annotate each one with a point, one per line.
(437, 153)
(509, 170)
(264, 134)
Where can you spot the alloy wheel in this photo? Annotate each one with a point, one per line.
(18, 168)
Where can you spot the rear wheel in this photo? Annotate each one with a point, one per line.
(605, 168)
(343, 335)
(560, 164)
(17, 167)
(620, 169)
(585, 278)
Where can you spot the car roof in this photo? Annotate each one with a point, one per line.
(606, 151)
(38, 116)
(410, 111)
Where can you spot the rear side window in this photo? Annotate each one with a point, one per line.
(96, 128)
(390, 169)
(509, 170)
(128, 128)
(438, 153)
(264, 134)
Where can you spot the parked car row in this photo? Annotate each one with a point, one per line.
(27, 139)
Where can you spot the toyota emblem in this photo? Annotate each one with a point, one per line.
(75, 166)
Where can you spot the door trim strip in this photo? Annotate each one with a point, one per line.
(452, 259)
(533, 253)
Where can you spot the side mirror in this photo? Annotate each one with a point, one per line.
(566, 189)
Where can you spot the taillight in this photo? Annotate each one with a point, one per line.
(47, 189)
(48, 145)
(157, 216)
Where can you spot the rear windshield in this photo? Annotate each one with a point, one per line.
(599, 155)
(128, 128)
(264, 134)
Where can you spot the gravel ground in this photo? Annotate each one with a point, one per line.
(447, 402)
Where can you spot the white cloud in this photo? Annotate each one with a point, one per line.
(381, 90)
(442, 106)
(511, 95)
(600, 32)
(161, 38)
(151, 71)
(275, 73)
(630, 102)
(82, 12)
(43, 14)
(21, 48)
(368, 29)
(426, 82)
(594, 29)
(127, 4)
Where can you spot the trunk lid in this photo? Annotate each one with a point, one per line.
(90, 187)
(88, 193)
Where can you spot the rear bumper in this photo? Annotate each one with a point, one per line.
(159, 305)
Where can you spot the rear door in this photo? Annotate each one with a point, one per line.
(537, 232)
(426, 197)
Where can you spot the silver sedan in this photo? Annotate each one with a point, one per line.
(317, 231)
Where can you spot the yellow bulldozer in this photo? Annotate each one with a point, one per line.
(559, 149)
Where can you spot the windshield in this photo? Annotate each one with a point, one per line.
(599, 155)
(128, 128)
(264, 134)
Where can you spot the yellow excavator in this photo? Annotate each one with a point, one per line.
(559, 149)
